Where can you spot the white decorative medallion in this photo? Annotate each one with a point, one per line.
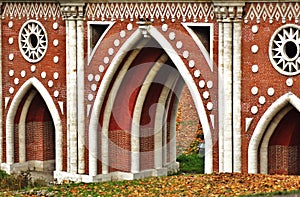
(33, 41)
(284, 50)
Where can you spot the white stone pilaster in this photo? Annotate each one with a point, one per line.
(72, 87)
(237, 75)
(73, 14)
(229, 16)
(221, 90)
(80, 98)
(227, 120)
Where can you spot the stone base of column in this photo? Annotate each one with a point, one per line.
(60, 176)
(34, 165)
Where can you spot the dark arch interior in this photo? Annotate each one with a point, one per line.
(284, 146)
(39, 133)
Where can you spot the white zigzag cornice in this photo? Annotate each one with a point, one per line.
(174, 11)
(31, 10)
(273, 11)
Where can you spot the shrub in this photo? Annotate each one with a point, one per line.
(191, 163)
(18, 181)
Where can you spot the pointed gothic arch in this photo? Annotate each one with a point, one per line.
(33, 82)
(262, 133)
(182, 69)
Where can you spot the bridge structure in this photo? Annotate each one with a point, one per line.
(90, 89)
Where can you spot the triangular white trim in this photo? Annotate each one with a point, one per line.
(208, 56)
(91, 51)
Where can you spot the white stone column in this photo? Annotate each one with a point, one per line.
(237, 74)
(72, 87)
(220, 90)
(72, 13)
(229, 16)
(67, 90)
(227, 126)
(80, 98)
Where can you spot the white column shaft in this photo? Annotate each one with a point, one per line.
(80, 98)
(72, 86)
(221, 97)
(68, 92)
(237, 72)
(227, 97)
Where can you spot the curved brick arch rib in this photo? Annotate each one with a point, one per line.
(194, 92)
(53, 111)
(95, 113)
(135, 141)
(272, 111)
(109, 107)
(159, 145)
(22, 126)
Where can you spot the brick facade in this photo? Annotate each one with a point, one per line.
(95, 87)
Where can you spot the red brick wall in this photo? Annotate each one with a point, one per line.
(47, 64)
(265, 78)
(40, 133)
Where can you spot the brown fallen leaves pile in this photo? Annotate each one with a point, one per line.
(217, 184)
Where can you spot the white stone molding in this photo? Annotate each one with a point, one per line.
(137, 112)
(33, 82)
(184, 72)
(262, 125)
(154, 11)
(31, 10)
(273, 11)
(72, 11)
(22, 126)
(95, 113)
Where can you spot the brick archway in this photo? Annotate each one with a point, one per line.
(179, 65)
(259, 143)
(11, 115)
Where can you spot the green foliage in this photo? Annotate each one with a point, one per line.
(191, 163)
(3, 174)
